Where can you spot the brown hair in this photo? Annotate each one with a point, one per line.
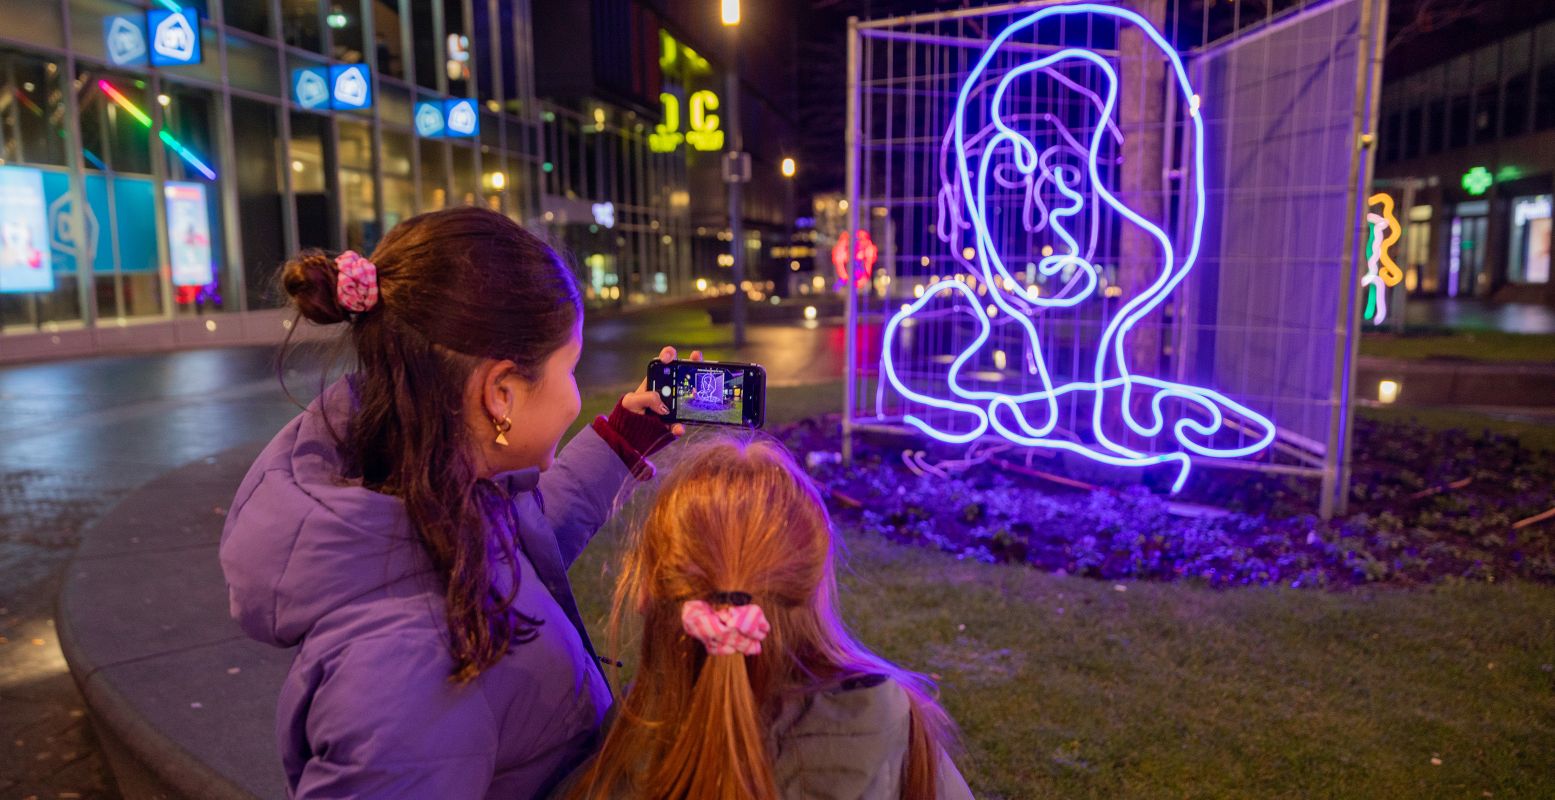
(455, 287)
(737, 515)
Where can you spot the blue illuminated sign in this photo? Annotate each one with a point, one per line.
(310, 87)
(429, 119)
(175, 37)
(461, 118)
(341, 87)
(124, 37)
(350, 86)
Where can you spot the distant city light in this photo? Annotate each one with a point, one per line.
(789, 168)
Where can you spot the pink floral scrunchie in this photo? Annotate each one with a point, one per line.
(356, 282)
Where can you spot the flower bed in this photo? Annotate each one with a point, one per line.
(1426, 506)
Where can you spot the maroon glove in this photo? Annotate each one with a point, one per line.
(634, 437)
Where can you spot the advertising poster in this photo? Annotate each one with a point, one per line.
(189, 234)
(25, 263)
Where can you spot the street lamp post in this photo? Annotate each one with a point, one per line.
(734, 165)
(789, 169)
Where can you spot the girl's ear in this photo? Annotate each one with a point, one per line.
(500, 388)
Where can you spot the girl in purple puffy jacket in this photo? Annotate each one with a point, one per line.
(410, 532)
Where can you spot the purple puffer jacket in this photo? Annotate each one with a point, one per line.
(368, 709)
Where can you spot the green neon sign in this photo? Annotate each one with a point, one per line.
(1477, 180)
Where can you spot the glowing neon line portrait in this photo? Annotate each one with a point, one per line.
(1381, 271)
(1067, 179)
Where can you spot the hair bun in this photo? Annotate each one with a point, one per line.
(309, 280)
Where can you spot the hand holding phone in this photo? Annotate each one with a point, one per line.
(711, 392)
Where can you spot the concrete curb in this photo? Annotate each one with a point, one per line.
(182, 701)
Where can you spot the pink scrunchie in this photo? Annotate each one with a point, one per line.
(356, 282)
(725, 631)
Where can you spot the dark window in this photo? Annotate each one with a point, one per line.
(251, 17)
(1514, 109)
(457, 47)
(1392, 137)
(1459, 122)
(1411, 132)
(302, 26)
(1435, 128)
(1485, 113)
(257, 170)
(424, 33)
(386, 39)
(1544, 102)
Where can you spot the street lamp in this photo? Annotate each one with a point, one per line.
(736, 170)
(789, 168)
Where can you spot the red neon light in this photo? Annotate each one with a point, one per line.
(867, 254)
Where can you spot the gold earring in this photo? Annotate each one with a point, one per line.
(502, 430)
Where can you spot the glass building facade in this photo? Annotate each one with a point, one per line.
(1466, 147)
(164, 197)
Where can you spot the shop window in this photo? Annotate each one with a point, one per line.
(399, 187)
(121, 201)
(256, 141)
(1417, 251)
(191, 203)
(466, 183)
(312, 162)
(39, 286)
(434, 175)
(1530, 243)
(358, 206)
(33, 131)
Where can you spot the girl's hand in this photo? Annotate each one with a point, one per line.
(643, 400)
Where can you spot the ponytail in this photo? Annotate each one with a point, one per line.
(719, 751)
(920, 772)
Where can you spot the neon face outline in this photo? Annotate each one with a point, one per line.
(964, 209)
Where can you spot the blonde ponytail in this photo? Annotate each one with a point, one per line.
(719, 751)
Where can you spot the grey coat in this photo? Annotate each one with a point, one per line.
(847, 743)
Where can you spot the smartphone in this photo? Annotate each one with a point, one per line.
(711, 392)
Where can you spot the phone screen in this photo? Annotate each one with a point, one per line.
(710, 392)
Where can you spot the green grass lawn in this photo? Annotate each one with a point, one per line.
(1477, 346)
(1068, 687)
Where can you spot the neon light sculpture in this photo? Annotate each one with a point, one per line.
(1195, 417)
(167, 138)
(1381, 271)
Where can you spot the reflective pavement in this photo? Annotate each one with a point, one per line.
(77, 436)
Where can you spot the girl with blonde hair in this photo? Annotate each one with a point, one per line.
(748, 684)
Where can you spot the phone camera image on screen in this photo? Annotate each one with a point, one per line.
(714, 394)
